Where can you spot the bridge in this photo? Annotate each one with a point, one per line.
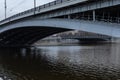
(94, 16)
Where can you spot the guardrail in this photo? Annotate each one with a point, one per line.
(99, 18)
(31, 11)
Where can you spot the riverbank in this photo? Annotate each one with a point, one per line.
(56, 43)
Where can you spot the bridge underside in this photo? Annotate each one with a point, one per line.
(29, 31)
(25, 36)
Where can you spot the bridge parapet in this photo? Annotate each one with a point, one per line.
(61, 4)
(39, 9)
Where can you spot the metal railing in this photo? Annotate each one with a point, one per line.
(99, 18)
(30, 12)
(34, 9)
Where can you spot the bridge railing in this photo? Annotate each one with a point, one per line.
(31, 11)
(99, 18)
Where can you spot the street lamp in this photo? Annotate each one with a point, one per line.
(34, 6)
(5, 9)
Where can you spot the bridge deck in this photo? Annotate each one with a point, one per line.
(66, 7)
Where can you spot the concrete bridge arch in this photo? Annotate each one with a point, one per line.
(26, 32)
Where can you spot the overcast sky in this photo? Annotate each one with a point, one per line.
(16, 6)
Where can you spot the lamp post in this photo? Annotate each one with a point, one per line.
(34, 6)
(5, 9)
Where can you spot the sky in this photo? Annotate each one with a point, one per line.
(16, 6)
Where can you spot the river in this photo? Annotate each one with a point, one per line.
(83, 62)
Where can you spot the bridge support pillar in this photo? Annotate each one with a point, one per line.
(94, 15)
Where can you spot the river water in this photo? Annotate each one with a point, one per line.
(83, 62)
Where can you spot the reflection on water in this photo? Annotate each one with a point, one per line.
(91, 62)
